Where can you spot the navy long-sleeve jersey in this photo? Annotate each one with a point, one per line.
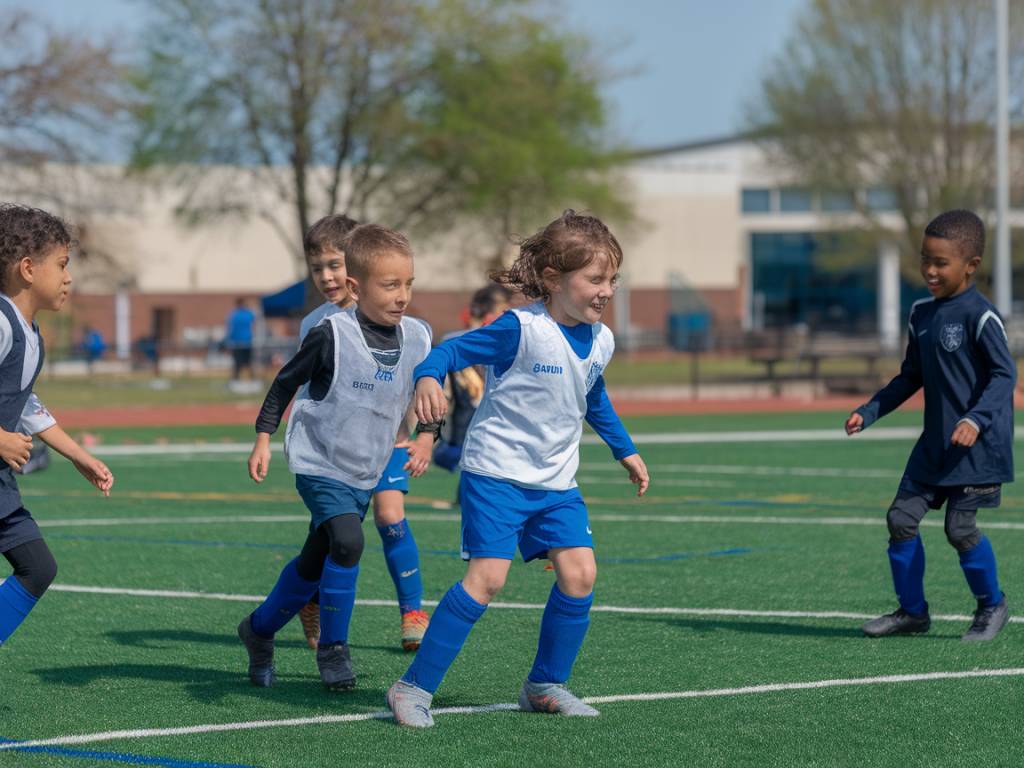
(958, 351)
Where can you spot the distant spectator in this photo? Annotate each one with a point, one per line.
(93, 345)
(239, 338)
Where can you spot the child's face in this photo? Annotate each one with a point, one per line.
(384, 294)
(945, 269)
(328, 272)
(581, 296)
(51, 279)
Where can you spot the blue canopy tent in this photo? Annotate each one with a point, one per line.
(286, 302)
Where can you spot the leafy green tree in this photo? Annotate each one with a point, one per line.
(418, 114)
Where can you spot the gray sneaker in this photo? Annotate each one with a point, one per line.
(899, 622)
(410, 705)
(261, 654)
(554, 699)
(335, 665)
(988, 620)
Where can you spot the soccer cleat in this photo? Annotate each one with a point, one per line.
(261, 654)
(335, 665)
(899, 622)
(410, 705)
(554, 699)
(309, 617)
(988, 620)
(414, 626)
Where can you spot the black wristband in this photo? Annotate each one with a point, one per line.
(431, 427)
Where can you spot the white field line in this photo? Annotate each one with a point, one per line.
(142, 733)
(751, 469)
(733, 612)
(649, 438)
(430, 517)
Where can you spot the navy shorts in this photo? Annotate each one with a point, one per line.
(18, 528)
(498, 516)
(326, 498)
(961, 498)
(395, 478)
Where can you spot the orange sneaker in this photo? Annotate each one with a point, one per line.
(309, 615)
(414, 626)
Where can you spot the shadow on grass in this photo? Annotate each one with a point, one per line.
(706, 626)
(174, 638)
(211, 686)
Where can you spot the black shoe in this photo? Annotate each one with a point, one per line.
(335, 665)
(988, 620)
(898, 622)
(261, 654)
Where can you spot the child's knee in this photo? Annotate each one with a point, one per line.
(346, 540)
(579, 580)
(388, 510)
(902, 525)
(962, 532)
(38, 578)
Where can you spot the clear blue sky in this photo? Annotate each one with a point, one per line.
(688, 65)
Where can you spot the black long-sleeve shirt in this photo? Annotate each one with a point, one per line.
(313, 364)
(958, 352)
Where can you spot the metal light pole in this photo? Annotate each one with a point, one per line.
(1002, 272)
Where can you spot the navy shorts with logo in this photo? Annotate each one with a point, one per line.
(18, 528)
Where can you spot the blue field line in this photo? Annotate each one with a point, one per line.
(121, 757)
(674, 556)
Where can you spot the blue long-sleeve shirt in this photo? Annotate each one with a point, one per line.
(497, 344)
(957, 350)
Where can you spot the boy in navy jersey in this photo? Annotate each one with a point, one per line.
(957, 350)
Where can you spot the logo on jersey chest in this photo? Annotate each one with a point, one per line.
(952, 336)
(595, 370)
(541, 368)
(382, 375)
(362, 385)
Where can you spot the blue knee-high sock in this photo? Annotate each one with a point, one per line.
(979, 565)
(337, 599)
(15, 603)
(403, 559)
(449, 627)
(286, 598)
(562, 630)
(907, 561)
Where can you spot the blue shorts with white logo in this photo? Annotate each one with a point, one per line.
(18, 528)
(326, 498)
(498, 516)
(395, 478)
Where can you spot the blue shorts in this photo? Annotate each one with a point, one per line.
(18, 528)
(326, 498)
(395, 478)
(498, 515)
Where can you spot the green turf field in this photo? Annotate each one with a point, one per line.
(709, 590)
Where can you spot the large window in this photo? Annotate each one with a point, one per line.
(795, 200)
(837, 201)
(881, 199)
(757, 200)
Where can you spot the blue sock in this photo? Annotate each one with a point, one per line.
(907, 561)
(449, 627)
(337, 599)
(289, 594)
(979, 565)
(15, 603)
(562, 630)
(403, 559)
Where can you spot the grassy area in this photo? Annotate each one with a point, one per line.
(729, 531)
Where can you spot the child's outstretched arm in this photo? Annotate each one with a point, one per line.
(495, 345)
(91, 468)
(313, 361)
(895, 393)
(601, 416)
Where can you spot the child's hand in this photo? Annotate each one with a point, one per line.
(431, 404)
(96, 472)
(965, 434)
(259, 459)
(420, 451)
(854, 424)
(637, 473)
(15, 448)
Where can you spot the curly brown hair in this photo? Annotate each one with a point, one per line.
(568, 243)
(28, 232)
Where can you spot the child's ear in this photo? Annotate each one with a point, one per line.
(26, 269)
(353, 287)
(972, 264)
(550, 277)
